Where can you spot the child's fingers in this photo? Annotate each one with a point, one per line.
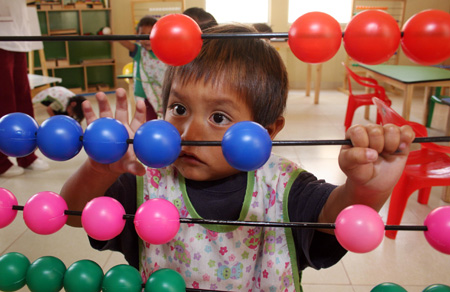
(89, 113)
(139, 116)
(121, 106)
(103, 105)
(391, 139)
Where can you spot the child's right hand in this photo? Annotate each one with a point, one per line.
(128, 163)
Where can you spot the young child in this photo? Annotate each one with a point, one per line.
(203, 18)
(148, 71)
(61, 101)
(235, 80)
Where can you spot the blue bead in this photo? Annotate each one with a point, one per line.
(157, 143)
(58, 138)
(246, 146)
(105, 140)
(17, 134)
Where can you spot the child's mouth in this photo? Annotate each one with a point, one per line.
(189, 158)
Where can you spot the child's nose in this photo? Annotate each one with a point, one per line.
(192, 131)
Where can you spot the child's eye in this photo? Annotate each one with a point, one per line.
(178, 110)
(220, 119)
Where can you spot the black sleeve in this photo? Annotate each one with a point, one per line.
(123, 190)
(314, 248)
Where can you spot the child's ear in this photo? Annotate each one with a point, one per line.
(276, 127)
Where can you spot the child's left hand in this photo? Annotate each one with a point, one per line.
(377, 158)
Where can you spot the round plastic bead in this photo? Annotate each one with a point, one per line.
(157, 221)
(246, 146)
(438, 225)
(83, 276)
(46, 274)
(13, 271)
(44, 214)
(7, 201)
(122, 278)
(58, 138)
(102, 218)
(105, 140)
(17, 134)
(359, 228)
(157, 143)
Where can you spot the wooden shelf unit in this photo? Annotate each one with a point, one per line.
(84, 66)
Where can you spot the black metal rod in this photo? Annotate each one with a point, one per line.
(296, 225)
(436, 139)
(142, 37)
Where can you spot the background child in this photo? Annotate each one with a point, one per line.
(148, 71)
(203, 18)
(234, 80)
(61, 101)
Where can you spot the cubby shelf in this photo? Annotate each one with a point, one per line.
(84, 66)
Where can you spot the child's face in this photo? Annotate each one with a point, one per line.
(204, 113)
(146, 29)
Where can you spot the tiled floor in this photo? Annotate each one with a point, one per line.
(408, 261)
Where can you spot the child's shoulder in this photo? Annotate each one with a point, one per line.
(278, 166)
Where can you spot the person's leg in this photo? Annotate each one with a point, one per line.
(23, 98)
(7, 101)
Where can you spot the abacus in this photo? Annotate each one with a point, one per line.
(46, 212)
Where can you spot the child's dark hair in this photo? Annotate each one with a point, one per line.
(262, 27)
(250, 67)
(146, 21)
(204, 19)
(78, 114)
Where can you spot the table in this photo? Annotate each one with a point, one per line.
(282, 43)
(408, 77)
(39, 80)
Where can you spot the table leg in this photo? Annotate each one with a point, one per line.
(308, 79)
(317, 83)
(446, 194)
(407, 100)
(426, 103)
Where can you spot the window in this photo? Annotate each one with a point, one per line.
(340, 10)
(244, 11)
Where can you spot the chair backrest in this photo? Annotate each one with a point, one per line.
(389, 116)
(364, 81)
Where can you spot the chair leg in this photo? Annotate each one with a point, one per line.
(430, 112)
(424, 195)
(397, 205)
(351, 107)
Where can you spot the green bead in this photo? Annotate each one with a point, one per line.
(83, 276)
(166, 280)
(46, 274)
(122, 278)
(437, 288)
(388, 287)
(13, 271)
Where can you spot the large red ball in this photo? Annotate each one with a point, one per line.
(372, 37)
(426, 37)
(176, 39)
(315, 37)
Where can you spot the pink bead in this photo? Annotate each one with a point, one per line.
(438, 224)
(44, 214)
(157, 221)
(7, 214)
(102, 218)
(359, 228)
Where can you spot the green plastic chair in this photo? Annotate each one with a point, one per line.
(436, 98)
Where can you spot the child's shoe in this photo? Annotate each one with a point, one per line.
(14, 170)
(39, 164)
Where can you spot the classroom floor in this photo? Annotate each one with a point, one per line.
(408, 261)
